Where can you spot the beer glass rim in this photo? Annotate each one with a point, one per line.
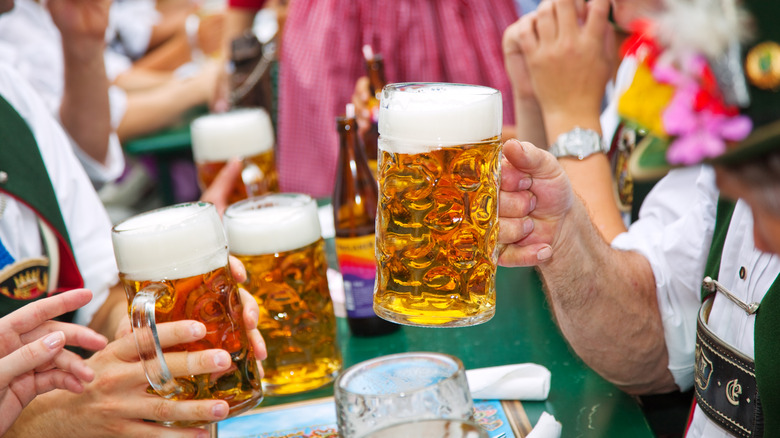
(400, 358)
(414, 86)
(267, 200)
(154, 245)
(124, 226)
(272, 223)
(420, 116)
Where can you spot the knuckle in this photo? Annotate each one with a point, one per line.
(163, 409)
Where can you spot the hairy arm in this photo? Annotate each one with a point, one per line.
(603, 299)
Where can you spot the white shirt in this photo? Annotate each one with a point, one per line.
(674, 232)
(88, 224)
(31, 42)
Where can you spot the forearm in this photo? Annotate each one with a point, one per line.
(605, 304)
(529, 123)
(85, 109)
(591, 178)
(149, 111)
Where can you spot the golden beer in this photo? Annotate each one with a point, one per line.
(437, 220)
(174, 260)
(244, 133)
(258, 177)
(211, 298)
(278, 239)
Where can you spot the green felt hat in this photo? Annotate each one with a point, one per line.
(746, 78)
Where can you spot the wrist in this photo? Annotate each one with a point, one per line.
(578, 143)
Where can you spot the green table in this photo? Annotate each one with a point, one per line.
(521, 331)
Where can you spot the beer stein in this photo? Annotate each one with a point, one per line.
(173, 264)
(401, 388)
(278, 238)
(437, 219)
(244, 133)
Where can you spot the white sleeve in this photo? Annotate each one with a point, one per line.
(101, 173)
(86, 220)
(674, 232)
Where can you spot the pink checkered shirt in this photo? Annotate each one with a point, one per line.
(420, 40)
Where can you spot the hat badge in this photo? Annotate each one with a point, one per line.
(762, 65)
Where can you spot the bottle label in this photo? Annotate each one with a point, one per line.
(357, 262)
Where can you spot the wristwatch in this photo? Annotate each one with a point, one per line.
(579, 143)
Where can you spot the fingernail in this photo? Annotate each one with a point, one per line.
(524, 184)
(222, 359)
(544, 253)
(219, 410)
(197, 330)
(532, 204)
(54, 340)
(528, 226)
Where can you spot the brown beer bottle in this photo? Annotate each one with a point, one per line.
(354, 214)
(376, 78)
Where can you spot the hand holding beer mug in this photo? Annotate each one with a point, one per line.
(245, 133)
(437, 220)
(173, 264)
(279, 241)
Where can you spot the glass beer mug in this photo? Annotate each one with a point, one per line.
(278, 239)
(437, 219)
(173, 264)
(245, 133)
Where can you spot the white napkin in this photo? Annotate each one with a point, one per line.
(525, 381)
(546, 427)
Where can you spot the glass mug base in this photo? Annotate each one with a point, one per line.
(440, 319)
(297, 384)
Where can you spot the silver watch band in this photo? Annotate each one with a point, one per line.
(579, 143)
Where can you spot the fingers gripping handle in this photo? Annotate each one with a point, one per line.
(148, 343)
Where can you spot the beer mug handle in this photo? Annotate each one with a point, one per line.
(252, 176)
(148, 343)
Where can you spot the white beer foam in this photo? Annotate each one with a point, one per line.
(238, 133)
(170, 243)
(272, 228)
(426, 116)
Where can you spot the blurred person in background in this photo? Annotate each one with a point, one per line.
(56, 237)
(321, 59)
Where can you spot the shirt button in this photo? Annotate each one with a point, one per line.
(742, 272)
(3, 177)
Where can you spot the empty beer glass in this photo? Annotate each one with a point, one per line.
(401, 388)
(173, 264)
(437, 219)
(278, 238)
(244, 133)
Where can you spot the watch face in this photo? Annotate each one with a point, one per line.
(623, 143)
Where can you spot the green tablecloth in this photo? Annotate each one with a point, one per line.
(521, 331)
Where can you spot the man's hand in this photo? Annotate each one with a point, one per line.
(32, 355)
(534, 199)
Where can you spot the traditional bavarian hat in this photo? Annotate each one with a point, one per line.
(707, 84)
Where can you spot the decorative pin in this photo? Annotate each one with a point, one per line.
(762, 65)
